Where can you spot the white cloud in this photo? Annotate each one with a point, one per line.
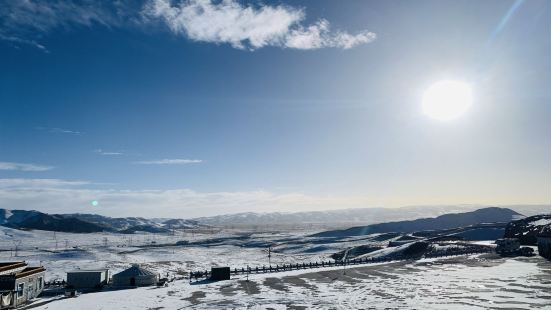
(250, 26)
(169, 162)
(23, 166)
(319, 36)
(107, 153)
(38, 183)
(67, 131)
(60, 196)
(18, 41)
(59, 130)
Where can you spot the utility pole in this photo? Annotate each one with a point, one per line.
(16, 243)
(344, 258)
(270, 255)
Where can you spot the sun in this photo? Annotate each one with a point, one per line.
(447, 100)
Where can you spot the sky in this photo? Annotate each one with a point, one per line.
(189, 108)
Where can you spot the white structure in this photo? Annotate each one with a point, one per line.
(19, 283)
(507, 245)
(135, 276)
(87, 278)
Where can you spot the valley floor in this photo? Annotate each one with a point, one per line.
(473, 282)
(476, 281)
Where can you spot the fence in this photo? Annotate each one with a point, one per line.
(204, 275)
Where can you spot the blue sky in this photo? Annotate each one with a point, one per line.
(192, 108)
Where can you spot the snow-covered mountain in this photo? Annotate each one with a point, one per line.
(442, 222)
(85, 223)
(22, 219)
(115, 223)
(353, 217)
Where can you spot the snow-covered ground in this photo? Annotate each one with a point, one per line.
(474, 282)
(477, 281)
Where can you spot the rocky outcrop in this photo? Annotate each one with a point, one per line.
(528, 229)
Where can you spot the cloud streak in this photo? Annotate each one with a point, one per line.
(58, 130)
(107, 153)
(23, 167)
(251, 27)
(169, 162)
(26, 21)
(39, 183)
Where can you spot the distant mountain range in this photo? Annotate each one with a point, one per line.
(88, 223)
(352, 217)
(22, 219)
(447, 221)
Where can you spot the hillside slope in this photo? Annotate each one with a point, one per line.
(446, 221)
(527, 229)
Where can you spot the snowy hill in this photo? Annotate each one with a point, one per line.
(447, 221)
(352, 217)
(527, 229)
(344, 217)
(87, 223)
(22, 219)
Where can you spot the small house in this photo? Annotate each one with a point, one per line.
(19, 283)
(87, 279)
(135, 276)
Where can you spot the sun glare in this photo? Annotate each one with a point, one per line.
(447, 100)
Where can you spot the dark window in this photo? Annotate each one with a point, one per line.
(20, 288)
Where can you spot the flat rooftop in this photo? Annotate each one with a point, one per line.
(88, 270)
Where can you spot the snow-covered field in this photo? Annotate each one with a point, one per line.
(476, 281)
(473, 282)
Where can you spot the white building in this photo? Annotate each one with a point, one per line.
(19, 283)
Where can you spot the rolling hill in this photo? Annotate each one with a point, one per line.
(446, 221)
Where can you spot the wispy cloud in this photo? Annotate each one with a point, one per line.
(107, 153)
(39, 183)
(169, 162)
(60, 130)
(23, 167)
(242, 25)
(249, 26)
(26, 21)
(15, 41)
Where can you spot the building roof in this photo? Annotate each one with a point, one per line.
(87, 270)
(6, 266)
(29, 271)
(23, 273)
(133, 271)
